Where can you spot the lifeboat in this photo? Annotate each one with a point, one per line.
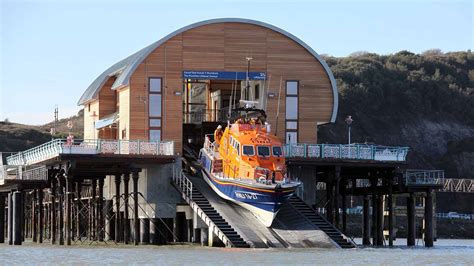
(244, 163)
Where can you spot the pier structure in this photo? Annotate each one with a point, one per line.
(147, 115)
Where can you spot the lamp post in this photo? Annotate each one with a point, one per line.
(349, 121)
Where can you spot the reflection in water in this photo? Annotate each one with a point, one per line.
(453, 252)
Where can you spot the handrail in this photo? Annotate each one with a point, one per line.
(424, 177)
(56, 147)
(346, 151)
(184, 184)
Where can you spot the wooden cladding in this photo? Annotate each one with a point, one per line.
(224, 47)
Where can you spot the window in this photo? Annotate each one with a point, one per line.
(291, 108)
(291, 112)
(155, 105)
(292, 87)
(155, 85)
(291, 125)
(155, 122)
(155, 108)
(155, 135)
(263, 151)
(277, 151)
(248, 150)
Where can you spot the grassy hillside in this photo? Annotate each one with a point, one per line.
(18, 137)
(423, 101)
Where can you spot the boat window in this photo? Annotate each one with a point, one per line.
(277, 151)
(263, 151)
(248, 150)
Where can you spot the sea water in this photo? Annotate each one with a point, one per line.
(445, 252)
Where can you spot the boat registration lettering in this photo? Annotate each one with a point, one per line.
(246, 195)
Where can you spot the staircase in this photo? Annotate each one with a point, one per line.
(321, 223)
(217, 219)
(207, 213)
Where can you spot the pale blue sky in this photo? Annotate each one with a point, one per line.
(52, 50)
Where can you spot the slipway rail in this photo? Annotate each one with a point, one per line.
(57, 147)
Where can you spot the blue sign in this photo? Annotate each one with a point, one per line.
(227, 75)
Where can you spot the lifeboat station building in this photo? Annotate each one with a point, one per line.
(145, 118)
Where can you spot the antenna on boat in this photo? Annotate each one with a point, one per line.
(264, 104)
(231, 98)
(278, 106)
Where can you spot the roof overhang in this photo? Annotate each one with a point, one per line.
(107, 121)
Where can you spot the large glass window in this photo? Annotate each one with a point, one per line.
(263, 151)
(248, 150)
(154, 108)
(291, 113)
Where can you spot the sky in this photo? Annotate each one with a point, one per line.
(52, 50)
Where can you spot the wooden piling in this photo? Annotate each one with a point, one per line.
(17, 216)
(69, 198)
(34, 220)
(366, 222)
(380, 220)
(135, 208)
(78, 209)
(100, 210)
(53, 211)
(2, 218)
(93, 210)
(10, 218)
(61, 212)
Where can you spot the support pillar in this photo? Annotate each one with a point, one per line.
(117, 208)
(53, 211)
(145, 231)
(126, 221)
(154, 233)
(17, 217)
(93, 209)
(69, 198)
(366, 222)
(34, 220)
(2, 218)
(100, 209)
(40, 215)
(390, 214)
(344, 214)
(61, 211)
(135, 208)
(78, 209)
(380, 220)
(109, 220)
(411, 220)
(429, 218)
(374, 212)
(10, 218)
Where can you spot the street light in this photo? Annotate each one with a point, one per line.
(247, 85)
(349, 121)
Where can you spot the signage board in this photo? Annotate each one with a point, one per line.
(223, 75)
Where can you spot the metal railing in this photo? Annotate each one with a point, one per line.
(183, 183)
(56, 147)
(341, 151)
(458, 185)
(22, 172)
(424, 177)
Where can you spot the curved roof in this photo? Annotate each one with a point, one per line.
(125, 68)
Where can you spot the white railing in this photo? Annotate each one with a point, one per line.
(183, 183)
(424, 177)
(340, 151)
(209, 146)
(97, 146)
(22, 172)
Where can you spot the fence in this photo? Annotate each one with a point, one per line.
(56, 147)
(341, 151)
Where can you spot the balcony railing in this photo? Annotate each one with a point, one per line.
(352, 151)
(97, 146)
(22, 172)
(424, 177)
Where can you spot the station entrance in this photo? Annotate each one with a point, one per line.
(209, 99)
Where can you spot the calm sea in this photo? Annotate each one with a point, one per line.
(445, 252)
